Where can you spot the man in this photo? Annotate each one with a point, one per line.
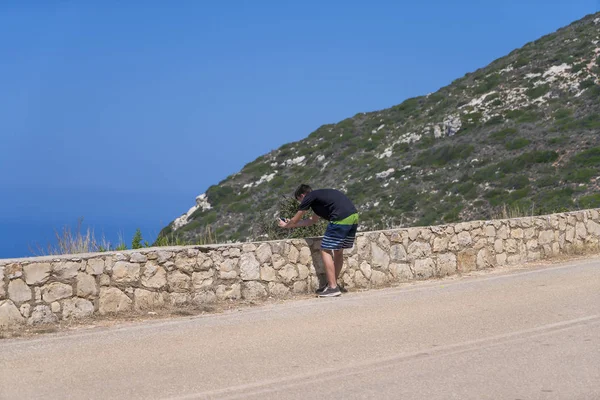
(335, 207)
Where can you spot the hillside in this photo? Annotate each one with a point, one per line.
(520, 136)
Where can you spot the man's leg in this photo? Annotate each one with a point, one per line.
(329, 268)
(338, 261)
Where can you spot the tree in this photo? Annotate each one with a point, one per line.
(136, 242)
(268, 227)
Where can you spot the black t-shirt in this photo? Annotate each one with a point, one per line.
(329, 204)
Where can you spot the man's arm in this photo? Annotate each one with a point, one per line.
(297, 221)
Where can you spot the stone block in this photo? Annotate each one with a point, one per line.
(264, 253)
(580, 230)
(419, 250)
(95, 266)
(185, 262)
(378, 278)
(440, 244)
(154, 276)
(86, 285)
(249, 267)
(305, 257)
(303, 272)
(360, 280)
(248, 247)
(501, 259)
(42, 314)
(398, 253)
(288, 273)
(18, 291)
(401, 272)
(252, 290)
(164, 256)
(424, 268)
(466, 260)
(37, 273)
(485, 259)
(66, 270)
(202, 280)
(379, 257)
(77, 308)
(232, 292)
(56, 291)
(13, 271)
(293, 255)
(9, 315)
(125, 272)
(300, 287)
(177, 281)
(202, 298)
(138, 258)
(366, 270)
(278, 290)
(227, 269)
(446, 264)
(498, 246)
(113, 300)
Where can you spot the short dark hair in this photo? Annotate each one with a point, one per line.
(302, 189)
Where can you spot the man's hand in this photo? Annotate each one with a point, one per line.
(297, 221)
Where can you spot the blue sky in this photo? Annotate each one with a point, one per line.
(124, 114)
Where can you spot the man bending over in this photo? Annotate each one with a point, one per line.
(335, 207)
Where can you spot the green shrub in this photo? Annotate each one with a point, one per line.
(497, 197)
(515, 182)
(517, 144)
(594, 91)
(538, 91)
(406, 108)
(514, 114)
(553, 201)
(442, 155)
(590, 201)
(539, 157)
(501, 135)
(591, 121)
(519, 194)
(491, 97)
(587, 84)
(548, 180)
(558, 140)
(430, 216)
(453, 215)
(521, 61)
(486, 174)
(489, 83)
(562, 113)
(495, 120)
(219, 194)
(580, 175)
(587, 158)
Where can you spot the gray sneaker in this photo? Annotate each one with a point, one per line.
(330, 292)
(321, 289)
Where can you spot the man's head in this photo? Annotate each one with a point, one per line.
(302, 191)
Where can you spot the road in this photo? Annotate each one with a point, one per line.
(521, 334)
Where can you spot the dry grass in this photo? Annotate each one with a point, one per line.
(511, 212)
(77, 241)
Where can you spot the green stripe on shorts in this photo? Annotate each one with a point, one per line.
(350, 220)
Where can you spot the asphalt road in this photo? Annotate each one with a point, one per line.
(525, 334)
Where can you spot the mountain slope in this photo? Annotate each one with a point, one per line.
(522, 134)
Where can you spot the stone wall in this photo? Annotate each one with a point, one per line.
(46, 289)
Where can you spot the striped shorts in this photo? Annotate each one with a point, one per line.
(340, 234)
